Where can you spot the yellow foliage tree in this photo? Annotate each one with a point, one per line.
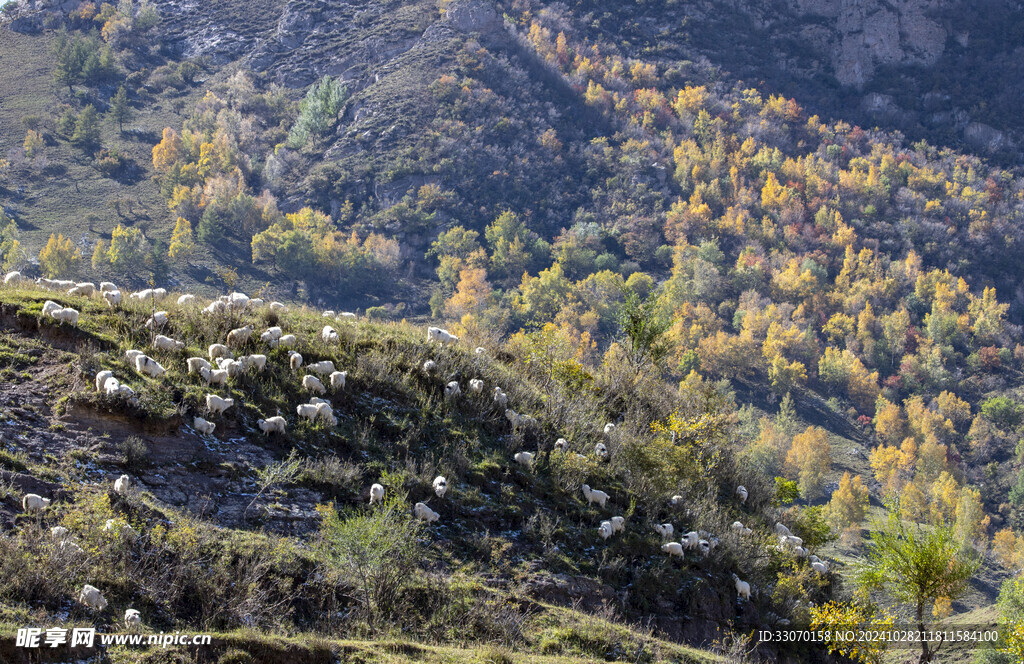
(60, 257)
(168, 151)
(182, 245)
(471, 293)
(849, 502)
(810, 458)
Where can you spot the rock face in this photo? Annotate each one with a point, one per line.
(861, 35)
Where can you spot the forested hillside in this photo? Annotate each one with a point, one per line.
(619, 198)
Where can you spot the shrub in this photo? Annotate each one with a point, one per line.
(133, 452)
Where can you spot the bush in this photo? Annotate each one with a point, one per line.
(133, 452)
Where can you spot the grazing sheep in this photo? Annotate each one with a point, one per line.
(272, 425)
(218, 350)
(429, 366)
(107, 286)
(329, 335)
(316, 401)
(216, 404)
(130, 355)
(92, 597)
(33, 502)
(338, 379)
(59, 533)
(376, 494)
(605, 530)
(440, 486)
(819, 567)
(160, 342)
(122, 484)
(186, 299)
(618, 524)
(347, 315)
(524, 458)
(324, 367)
(202, 426)
(675, 501)
(294, 361)
(782, 530)
(313, 384)
(12, 278)
(287, 341)
(159, 319)
(85, 288)
(561, 445)
(111, 386)
(608, 429)
(144, 294)
(159, 293)
(813, 559)
(601, 451)
(258, 362)
(50, 307)
(147, 365)
(452, 390)
(239, 336)
(43, 283)
(800, 552)
(102, 377)
(278, 308)
(741, 492)
(791, 541)
(214, 376)
(664, 529)
(132, 619)
(67, 315)
(513, 417)
(215, 307)
(673, 549)
(705, 547)
(329, 314)
(480, 350)
(271, 336)
(691, 540)
(254, 303)
(500, 398)
(237, 301)
(126, 391)
(197, 363)
(476, 386)
(594, 496)
(112, 298)
(424, 513)
(742, 588)
(307, 411)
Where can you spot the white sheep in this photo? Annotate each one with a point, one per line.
(202, 426)
(736, 527)
(673, 549)
(479, 350)
(742, 588)
(307, 411)
(452, 390)
(59, 533)
(130, 355)
(159, 319)
(443, 336)
(561, 445)
(160, 342)
(524, 458)
(125, 391)
(601, 451)
(278, 308)
(92, 597)
(782, 530)
(66, 315)
(705, 547)
(147, 365)
(41, 282)
(102, 377)
(186, 299)
(33, 502)
(214, 376)
(287, 341)
(376, 494)
(218, 350)
(329, 313)
(272, 425)
(819, 567)
(112, 298)
(107, 286)
(338, 379)
(605, 530)
(195, 364)
(215, 307)
(132, 619)
(424, 513)
(813, 559)
(294, 361)
(429, 366)
(741, 492)
(50, 307)
(329, 334)
(254, 303)
(800, 552)
(12, 278)
(122, 484)
(791, 541)
(608, 429)
(691, 540)
(476, 386)
(257, 361)
(440, 486)
(237, 301)
(594, 496)
(216, 404)
(85, 288)
(618, 524)
(313, 384)
(324, 367)
(347, 315)
(159, 293)
(271, 336)
(144, 294)
(111, 386)
(675, 501)
(664, 529)
(239, 336)
(500, 398)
